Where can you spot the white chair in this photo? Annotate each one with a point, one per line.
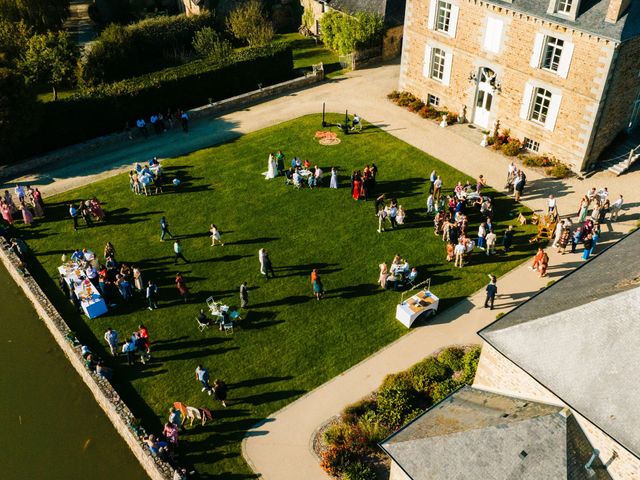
(211, 303)
(202, 326)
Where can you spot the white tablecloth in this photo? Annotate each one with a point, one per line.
(92, 303)
(408, 311)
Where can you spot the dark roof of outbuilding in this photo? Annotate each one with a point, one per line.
(476, 434)
(579, 337)
(590, 18)
(392, 11)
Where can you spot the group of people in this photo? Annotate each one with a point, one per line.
(516, 181)
(161, 123)
(147, 180)
(89, 210)
(29, 203)
(389, 212)
(363, 182)
(398, 274)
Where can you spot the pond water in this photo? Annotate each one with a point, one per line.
(52, 426)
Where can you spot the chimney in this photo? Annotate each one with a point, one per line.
(616, 9)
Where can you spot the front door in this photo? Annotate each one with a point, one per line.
(484, 98)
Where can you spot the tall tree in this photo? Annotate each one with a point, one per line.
(14, 37)
(50, 58)
(19, 115)
(42, 15)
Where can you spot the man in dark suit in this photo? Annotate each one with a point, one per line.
(492, 290)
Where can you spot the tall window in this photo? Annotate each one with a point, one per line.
(437, 63)
(564, 6)
(552, 51)
(443, 19)
(540, 107)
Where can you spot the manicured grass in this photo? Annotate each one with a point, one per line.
(288, 343)
(308, 52)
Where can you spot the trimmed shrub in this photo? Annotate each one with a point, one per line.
(122, 52)
(393, 95)
(440, 390)
(336, 434)
(452, 358)
(372, 429)
(396, 401)
(559, 170)
(512, 148)
(209, 44)
(359, 408)
(415, 105)
(335, 459)
(359, 471)
(470, 364)
(103, 110)
(427, 372)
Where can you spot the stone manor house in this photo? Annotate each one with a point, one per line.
(562, 75)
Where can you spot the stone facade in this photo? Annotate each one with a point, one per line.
(495, 63)
(496, 373)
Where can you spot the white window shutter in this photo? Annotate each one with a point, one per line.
(537, 50)
(426, 67)
(493, 35)
(552, 114)
(526, 101)
(448, 60)
(432, 14)
(565, 59)
(453, 22)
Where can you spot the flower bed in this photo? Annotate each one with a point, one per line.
(348, 446)
(512, 147)
(415, 105)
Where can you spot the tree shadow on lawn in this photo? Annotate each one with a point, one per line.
(408, 187)
(180, 343)
(267, 397)
(362, 290)
(250, 241)
(258, 320)
(253, 382)
(201, 353)
(290, 300)
(304, 270)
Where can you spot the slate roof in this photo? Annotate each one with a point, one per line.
(590, 18)
(391, 10)
(579, 339)
(474, 434)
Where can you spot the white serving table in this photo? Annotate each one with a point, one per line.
(422, 302)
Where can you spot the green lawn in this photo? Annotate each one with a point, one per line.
(288, 342)
(307, 52)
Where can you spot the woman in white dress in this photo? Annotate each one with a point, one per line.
(215, 236)
(272, 167)
(334, 178)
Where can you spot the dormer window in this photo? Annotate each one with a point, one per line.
(564, 6)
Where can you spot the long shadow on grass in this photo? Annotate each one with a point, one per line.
(252, 382)
(290, 300)
(267, 397)
(304, 270)
(200, 353)
(362, 290)
(408, 187)
(250, 241)
(180, 343)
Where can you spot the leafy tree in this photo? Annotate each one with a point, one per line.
(346, 33)
(50, 58)
(19, 114)
(14, 37)
(208, 44)
(41, 15)
(248, 23)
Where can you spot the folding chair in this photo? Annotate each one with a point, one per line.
(411, 279)
(211, 303)
(202, 326)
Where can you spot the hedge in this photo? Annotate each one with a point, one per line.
(105, 109)
(122, 52)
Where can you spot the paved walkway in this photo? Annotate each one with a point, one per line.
(79, 24)
(279, 448)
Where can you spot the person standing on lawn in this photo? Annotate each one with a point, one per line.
(111, 337)
(73, 213)
(492, 290)
(177, 249)
(164, 229)
(202, 375)
(244, 295)
(507, 240)
(491, 239)
(220, 391)
(152, 295)
(181, 285)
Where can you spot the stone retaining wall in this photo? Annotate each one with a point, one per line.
(106, 396)
(73, 151)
